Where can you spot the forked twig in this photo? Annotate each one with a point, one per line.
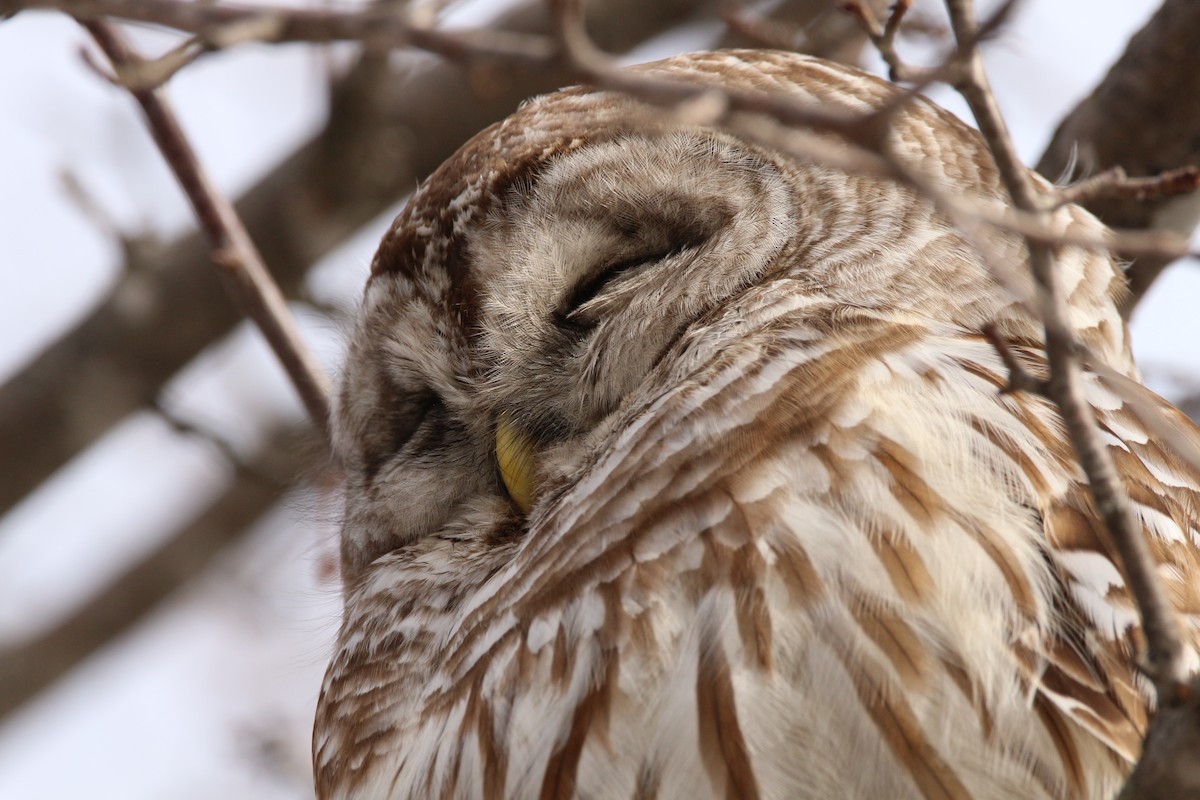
(883, 36)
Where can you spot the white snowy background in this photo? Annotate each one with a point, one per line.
(213, 696)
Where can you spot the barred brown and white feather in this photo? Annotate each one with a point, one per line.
(788, 538)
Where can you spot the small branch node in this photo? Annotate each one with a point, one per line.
(149, 74)
(884, 38)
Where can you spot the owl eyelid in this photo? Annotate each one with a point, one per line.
(591, 287)
(588, 289)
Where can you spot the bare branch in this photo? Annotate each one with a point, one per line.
(1019, 378)
(226, 448)
(1168, 768)
(884, 37)
(385, 26)
(803, 25)
(250, 283)
(1035, 227)
(598, 69)
(762, 31)
(785, 123)
(864, 134)
(1065, 386)
(1114, 183)
(144, 74)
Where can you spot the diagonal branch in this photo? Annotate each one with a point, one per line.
(30, 667)
(245, 275)
(1164, 642)
(385, 132)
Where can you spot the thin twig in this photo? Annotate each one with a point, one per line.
(1115, 183)
(864, 131)
(864, 134)
(227, 449)
(884, 38)
(600, 70)
(150, 73)
(1142, 115)
(238, 261)
(1065, 387)
(1035, 226)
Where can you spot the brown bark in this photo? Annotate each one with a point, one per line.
(1144, 117)
(1168, 768)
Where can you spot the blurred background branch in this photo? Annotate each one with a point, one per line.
(1144, 118)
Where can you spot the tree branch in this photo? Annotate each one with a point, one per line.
(1164, 641)
(1166, 770)
(30, 667)
(246, 277)
(385, 132)
(1144, 118)
(380, 26)
(806, 26)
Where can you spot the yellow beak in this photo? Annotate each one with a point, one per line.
(517, 457)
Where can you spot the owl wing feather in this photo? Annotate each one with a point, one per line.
(824, 558)
(1093, 673)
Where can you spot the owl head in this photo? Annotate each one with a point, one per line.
(570, 264)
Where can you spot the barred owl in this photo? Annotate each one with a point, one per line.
(678, 467)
